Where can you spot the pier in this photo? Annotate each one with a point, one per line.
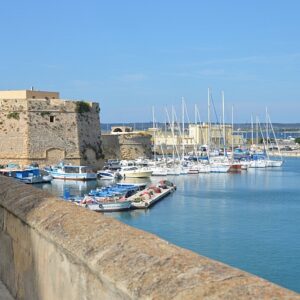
(147, 203)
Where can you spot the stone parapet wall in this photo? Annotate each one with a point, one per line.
(50, 249)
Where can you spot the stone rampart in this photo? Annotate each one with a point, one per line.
(126, 145)
(50, 249)
(47, 131)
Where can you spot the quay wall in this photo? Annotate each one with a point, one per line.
(51, 249)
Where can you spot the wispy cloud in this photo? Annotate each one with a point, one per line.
(133, 77)
(52, 66)
(256, 59)
(215, 74)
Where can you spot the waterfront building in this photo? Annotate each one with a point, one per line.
(196, 135)
(38, 126)
(201, 133)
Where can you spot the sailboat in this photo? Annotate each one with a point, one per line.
(216, 165)
(272, 162)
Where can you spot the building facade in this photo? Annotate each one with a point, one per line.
(197, 135)
(38, 126)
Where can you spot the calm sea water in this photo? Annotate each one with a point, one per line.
(250, 221)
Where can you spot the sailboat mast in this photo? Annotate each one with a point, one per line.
(267, 128)
(154, 135)
(208, 121)
(256, 131)
(223, 118)
(183, 140)
(232, 150)
(252, 129)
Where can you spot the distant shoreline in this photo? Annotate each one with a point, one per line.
(286, 154)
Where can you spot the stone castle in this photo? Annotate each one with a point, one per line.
(37, 126)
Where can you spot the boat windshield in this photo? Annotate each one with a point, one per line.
(86, 170)
(71, 169)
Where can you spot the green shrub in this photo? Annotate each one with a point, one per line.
(82, 107)
(45, 113)
(13, 115)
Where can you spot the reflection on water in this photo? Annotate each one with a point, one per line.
(248, 220)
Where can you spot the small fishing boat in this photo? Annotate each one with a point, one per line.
(106, 204)
(29, 176)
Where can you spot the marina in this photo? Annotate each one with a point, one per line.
(248, 220)
(150, 150)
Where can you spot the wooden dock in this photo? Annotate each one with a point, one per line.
(140, 201)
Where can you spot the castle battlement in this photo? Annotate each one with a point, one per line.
(45, 129)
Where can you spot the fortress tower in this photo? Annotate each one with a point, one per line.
(37, 126)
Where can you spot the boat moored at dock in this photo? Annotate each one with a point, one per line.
(70, 172)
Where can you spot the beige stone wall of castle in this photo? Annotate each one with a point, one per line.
(13, 130)
(49, 130)
(127, 146)
(135, 145)
(28, 94)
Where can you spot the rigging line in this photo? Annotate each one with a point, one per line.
(217, 123)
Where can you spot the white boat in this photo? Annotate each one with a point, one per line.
(157, 171)
(106, 206)
(245, 164)
(202, 168)
(219, 168)
(193, 170)
(260, 163)
(70, 172)
(135, 172)
(108, 175)
(173, 171)
(37, 179)
(274, 163)
(33, 175)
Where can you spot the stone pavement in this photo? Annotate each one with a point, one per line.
(4, 293)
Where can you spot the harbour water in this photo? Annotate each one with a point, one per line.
(250, 220)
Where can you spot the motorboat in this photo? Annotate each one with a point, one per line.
(109, 175)
(158, 171)
(135, 172)
(70, 172)
(31, 176)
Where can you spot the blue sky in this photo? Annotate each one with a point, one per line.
(131, 55)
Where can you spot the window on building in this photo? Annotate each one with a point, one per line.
(51, 119)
